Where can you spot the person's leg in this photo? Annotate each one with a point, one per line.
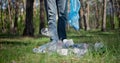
(51, 11)
(62, 18)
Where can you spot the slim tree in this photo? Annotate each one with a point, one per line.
(81, 19)
(2, 29)
(29, 29)
(81, 15)
(112, 15)
(118, 4)
(42, 16)
(86, 16)
(16, 15)
(10, 16)
(97, 15)
(104, 16)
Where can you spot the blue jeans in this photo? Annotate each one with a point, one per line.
(57, 30)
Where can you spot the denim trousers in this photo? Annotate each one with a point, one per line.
(57, 29)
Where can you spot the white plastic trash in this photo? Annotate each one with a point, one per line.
(68, 42)
(62, 52)
(98, 46)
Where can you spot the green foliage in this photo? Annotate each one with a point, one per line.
(36, 21)
(116, 21)
(21, 21)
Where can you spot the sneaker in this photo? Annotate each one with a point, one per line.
(68, 42)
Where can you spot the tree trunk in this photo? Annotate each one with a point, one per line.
(29, 30)
(81, 19)
(42, 16)
(119, 20)
(16, 16)
(34, 9)
(10, 16)
(3, 27)
(86, 17)
(85, 14)
(24, 7)
(119, 15)
(85, 25)
(97, 16)
(82, 15)
(119, 12)
(112, 15)
(104, 16)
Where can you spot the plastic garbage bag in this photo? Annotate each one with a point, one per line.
(73, 15)
(49, 47)
(67, 48)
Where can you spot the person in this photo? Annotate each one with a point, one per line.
(56, 28)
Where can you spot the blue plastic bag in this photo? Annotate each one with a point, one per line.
(73, 15)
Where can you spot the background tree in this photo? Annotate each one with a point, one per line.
(84, 14)
(104, 16)
(29, 29)
(87, 16)
(117, 2)
(10, 16)
(97, 25)
(81, 15)
(2, 22)
(42, 16)
(16, 16)
(112, 14)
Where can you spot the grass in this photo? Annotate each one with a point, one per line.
(17, 49)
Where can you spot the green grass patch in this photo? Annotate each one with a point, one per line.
(18, 49)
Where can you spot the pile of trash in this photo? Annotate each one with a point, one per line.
(68, 47)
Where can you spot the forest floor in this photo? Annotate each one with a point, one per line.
(18, 49)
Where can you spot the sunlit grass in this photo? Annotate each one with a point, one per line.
(19, 49)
